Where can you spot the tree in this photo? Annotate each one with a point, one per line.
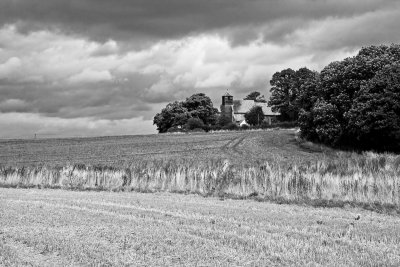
(286, 89)
(173, 115)
(327, 127)
(200, 106)
(177, 114)
(307, 83)
(195, 123)
(224, 120)
(282, 93)
(252, 96)
(255, 115)
(374, 118)
(256, 96)
(356, 98)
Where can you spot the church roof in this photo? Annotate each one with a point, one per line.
(227, 93)
(243, 106)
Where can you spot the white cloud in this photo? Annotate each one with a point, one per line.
(91, 76)
(25, 125)
(9, 67)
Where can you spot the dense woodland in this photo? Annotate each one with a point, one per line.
(353, 103)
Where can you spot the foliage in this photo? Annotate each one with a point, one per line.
(307, 83)
(255, 116)
(200, 106)
(325, 122)
(223, 120)
(279, 124)
(354, 102)
(173, 115)
(230, 126)
(374, 118)
(256, 96)
(194, 123)
(176, 130)
(286, 92)
(177, 114)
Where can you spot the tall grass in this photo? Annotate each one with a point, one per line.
(367, 179)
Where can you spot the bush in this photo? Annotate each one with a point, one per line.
(197, 130)
(255, 116)
(224, 120)
(214, 128)
(327, 126)
(176, 130)
(194, 123)
(231, 126)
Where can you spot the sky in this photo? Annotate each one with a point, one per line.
(100, 67)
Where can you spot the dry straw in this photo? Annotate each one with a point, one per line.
(367, 178)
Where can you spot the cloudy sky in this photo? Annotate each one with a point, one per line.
(101, 67)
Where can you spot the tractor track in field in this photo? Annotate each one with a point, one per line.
(231, 148)
(26, 254)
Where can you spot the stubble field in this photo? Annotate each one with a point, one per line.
(67, 228)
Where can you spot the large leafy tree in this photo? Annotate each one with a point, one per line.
(173, 115)
(283, 94)
(374, 118)
(340, 81)
(306, 82)
(200, 106)
(177, 114)
(255, 115)
(286, 91)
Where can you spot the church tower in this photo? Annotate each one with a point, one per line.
(227, 106)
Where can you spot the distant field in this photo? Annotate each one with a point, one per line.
(244, 147)
(265, 165)
(67, 228)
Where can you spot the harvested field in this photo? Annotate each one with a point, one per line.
(243, 147)
(68, 228)
(265, 165)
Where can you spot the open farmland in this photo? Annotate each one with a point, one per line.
(123, 150)
(67, 228)
(266, 165)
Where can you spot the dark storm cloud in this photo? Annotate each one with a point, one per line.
(99, 100)
(155, 19)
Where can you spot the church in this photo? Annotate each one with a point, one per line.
(235, 109)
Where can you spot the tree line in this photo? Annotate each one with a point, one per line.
(352, 103)
(198, 113)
